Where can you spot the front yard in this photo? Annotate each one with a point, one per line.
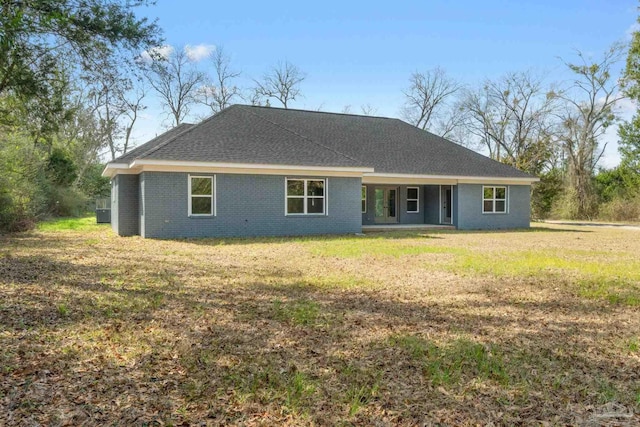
(403, 328)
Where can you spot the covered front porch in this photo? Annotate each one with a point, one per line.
(387, 205)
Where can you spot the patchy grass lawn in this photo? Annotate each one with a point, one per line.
(87, 223)
(403, 328)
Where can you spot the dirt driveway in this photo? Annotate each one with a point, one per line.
(597, 224)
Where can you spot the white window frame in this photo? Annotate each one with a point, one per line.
(495, 199)
(417, 200)
(364, 211)
(305, 197)
(214, 191)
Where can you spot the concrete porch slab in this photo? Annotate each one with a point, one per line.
(405, 227)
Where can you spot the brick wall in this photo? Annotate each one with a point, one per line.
(247, 205)
(469, 208)
(124, 205)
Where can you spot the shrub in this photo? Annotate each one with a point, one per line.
(14, 216)
(545, 193)
(67, 201)
(60, 168)
(621, 208)
(567, 206)
(93, 184)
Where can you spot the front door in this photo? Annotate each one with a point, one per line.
(446, 200)
(386, 211)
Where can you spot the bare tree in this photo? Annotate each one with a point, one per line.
(281, 83)
(115, 102)
(427, 99)
(485, 120)
(85, 133)
(220, 93)
(588, 110)
(254, 97)
(176, 81)
(108, 107)
(133, 106)
(511, 117)
(368, 109)
(346, 109)
(450, 125)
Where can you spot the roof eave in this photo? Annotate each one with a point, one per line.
(149, 165)
(374, 178)
(231, 165)
(368, 173)
(112, 169)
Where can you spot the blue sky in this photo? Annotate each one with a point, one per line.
(357, 53)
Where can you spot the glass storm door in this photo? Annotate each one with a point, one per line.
(447, 203)
(386, 211)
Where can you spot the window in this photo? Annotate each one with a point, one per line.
(413, 199)
(305, 196)
(364, 199)
(201, 195)
(494, 199)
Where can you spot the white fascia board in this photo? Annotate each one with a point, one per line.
(249, 165)
(143, 165)
(407, 179)
(497, 180)
(378, 178)
(112, 169)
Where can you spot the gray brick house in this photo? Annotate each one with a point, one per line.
(257, 171)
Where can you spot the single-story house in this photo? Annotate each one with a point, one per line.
(262, 171)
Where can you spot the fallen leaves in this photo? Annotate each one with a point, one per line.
(287, 331)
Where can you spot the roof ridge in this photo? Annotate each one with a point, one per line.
(318, 112)
(303, 136)
(157, 147)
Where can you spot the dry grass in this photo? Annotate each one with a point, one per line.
(444, 328)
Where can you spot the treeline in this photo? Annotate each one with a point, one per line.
(74, 81)
(75, 78)
(58, 61)
(552, 130)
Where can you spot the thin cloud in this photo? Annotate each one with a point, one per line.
(627, 107)
(611, 157)
(157, 52)
(199, 52)
(632, 29)
(624, 107)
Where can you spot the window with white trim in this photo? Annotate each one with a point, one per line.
(494, 199)
(413, 200)
(305, 196)
(201, 195)
(364, 199)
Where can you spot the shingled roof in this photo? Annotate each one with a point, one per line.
(140, 151)
(265, 135)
